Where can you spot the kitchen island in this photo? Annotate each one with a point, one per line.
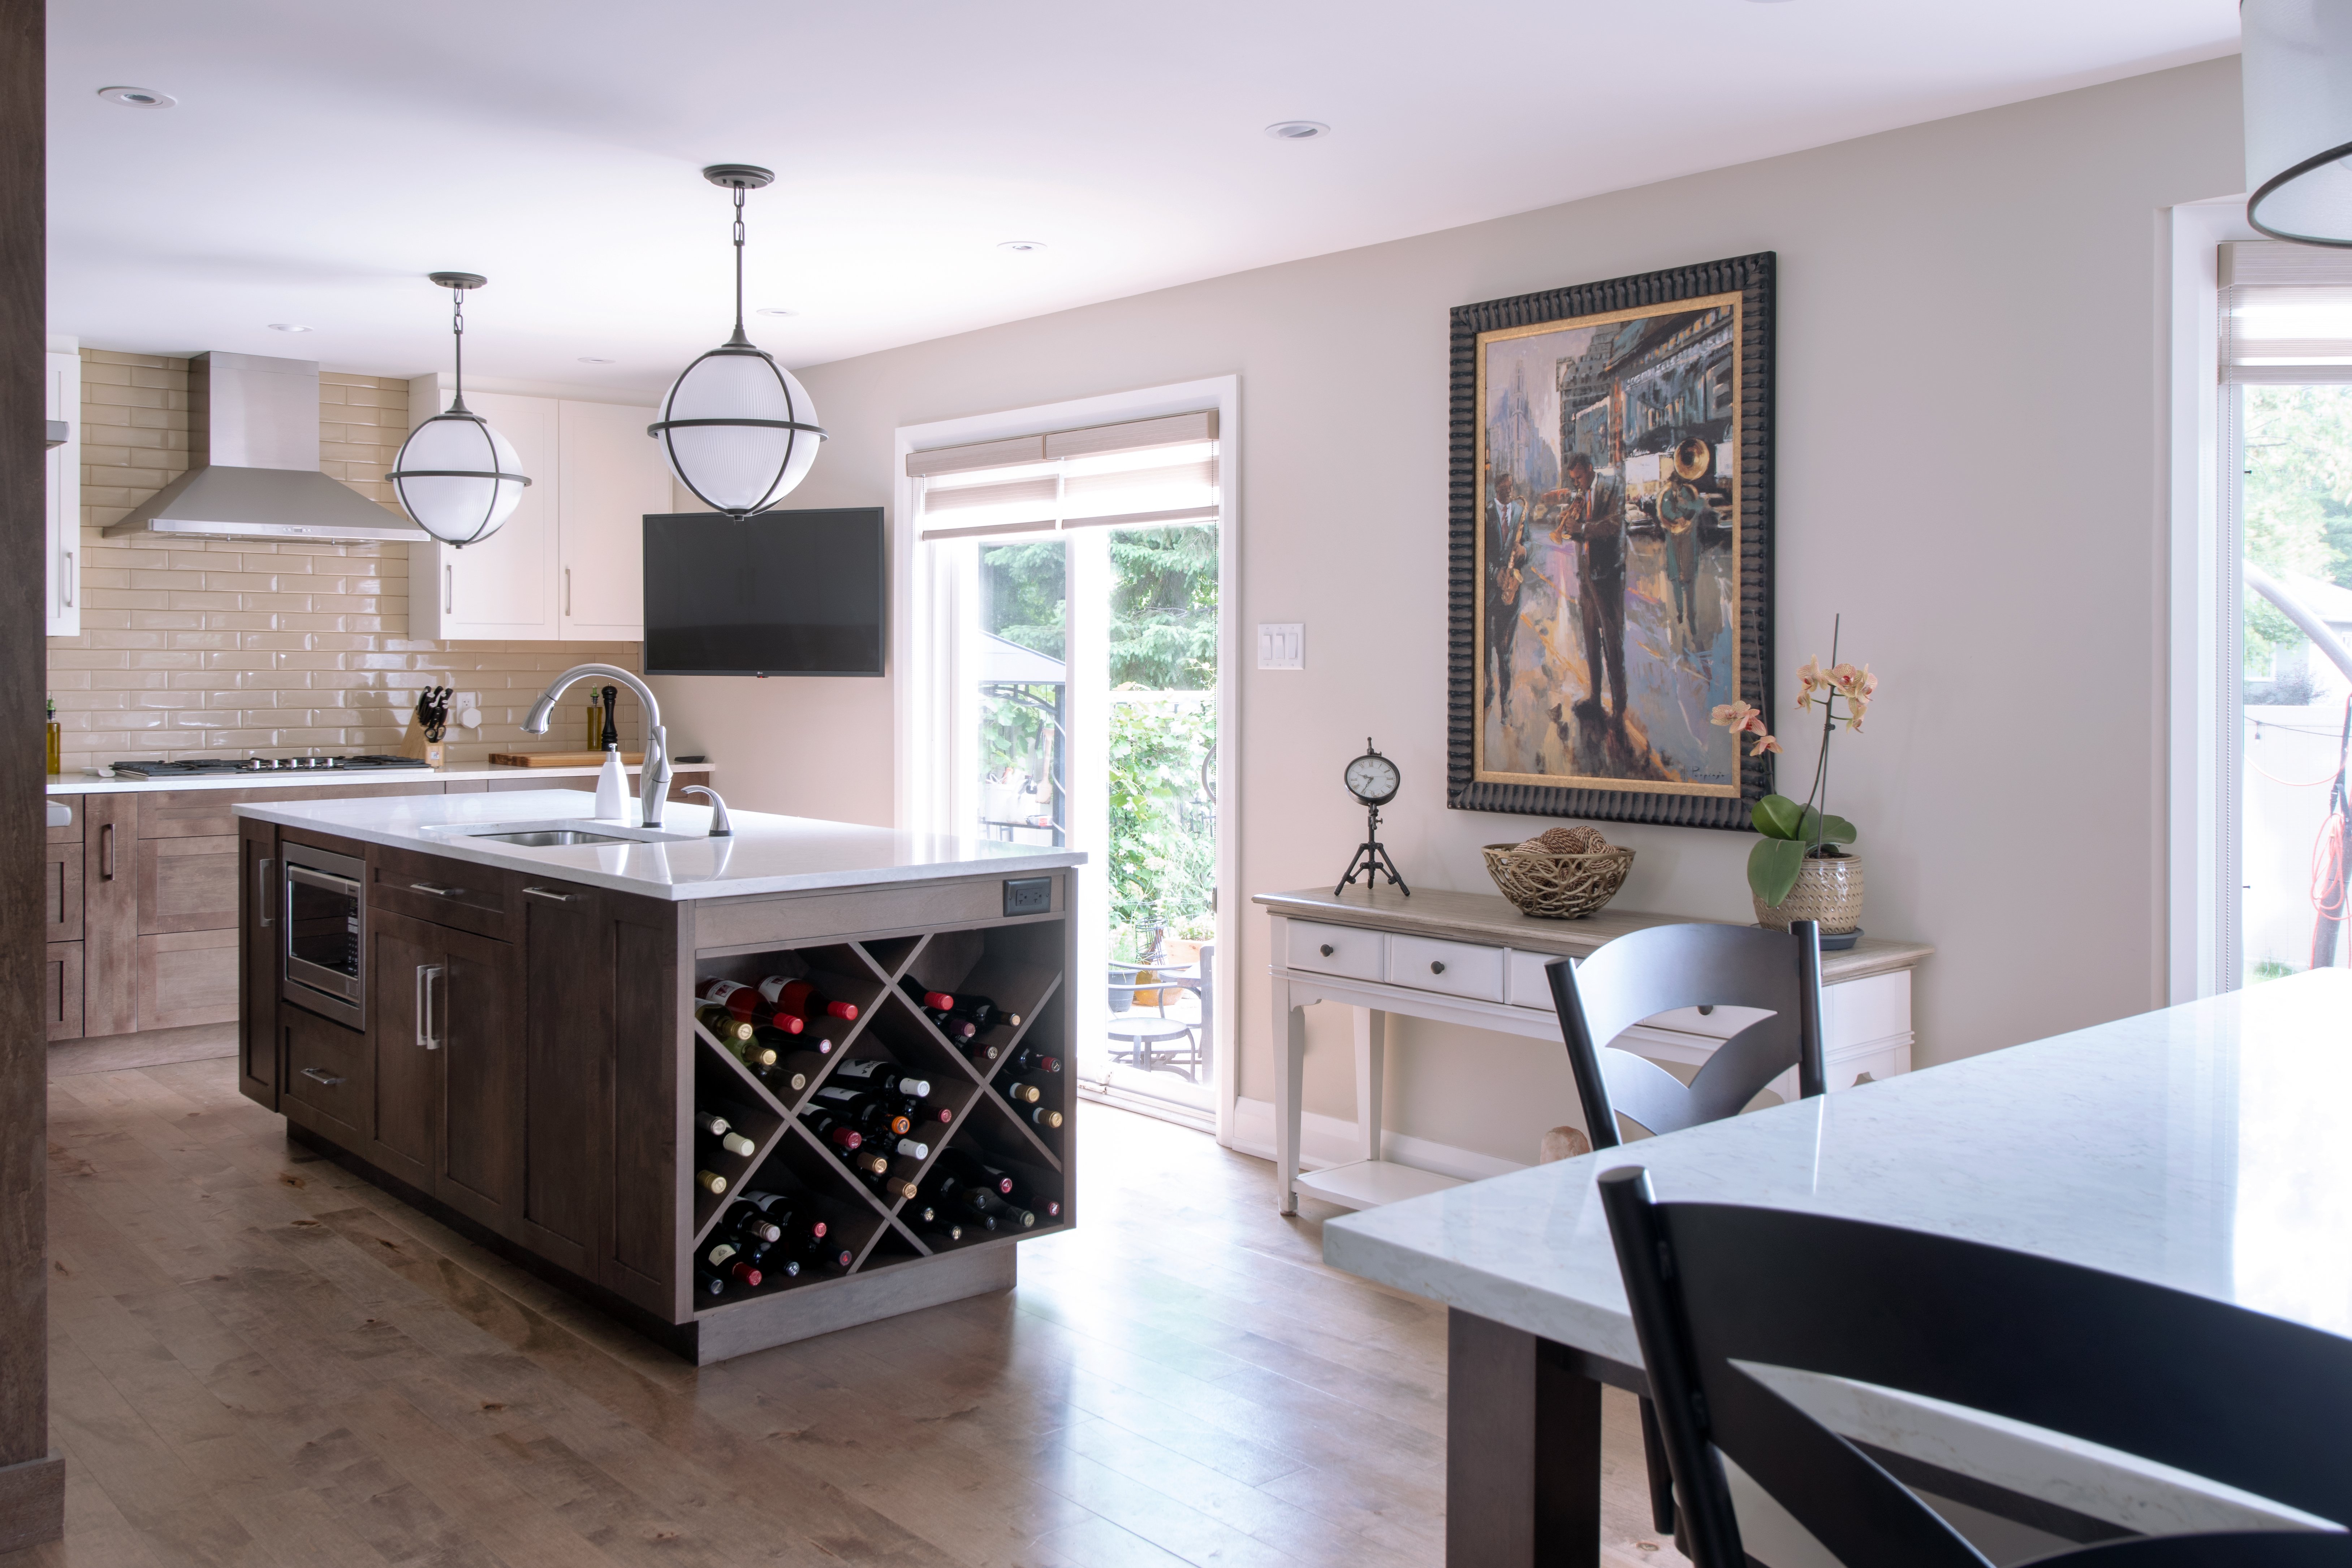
(512, 1045)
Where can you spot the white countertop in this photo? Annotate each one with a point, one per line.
(2200, 1147)
(311, 778)
(766, 854)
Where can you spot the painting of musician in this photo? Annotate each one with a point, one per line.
(1609, 570)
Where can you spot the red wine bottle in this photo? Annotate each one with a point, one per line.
(1028, 1059)
(799, 999)
(830, 1255)
(835, 1131)
(965, 1168)
(982, 1011)
(778, 1208)
(981, 1200)
(745, 1005)
(882, 1077)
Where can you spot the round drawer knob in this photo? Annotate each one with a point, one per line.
(1436, 967)
(1326, 950)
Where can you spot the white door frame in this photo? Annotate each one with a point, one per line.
(915, 647)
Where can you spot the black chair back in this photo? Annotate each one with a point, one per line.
(1645, 972)
(2249, 1399)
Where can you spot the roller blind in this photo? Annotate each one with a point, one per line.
(2286, 314)
(1140, 472)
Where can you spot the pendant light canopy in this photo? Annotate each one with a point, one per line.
(455, 475)
(737, 428)
(2296, 76)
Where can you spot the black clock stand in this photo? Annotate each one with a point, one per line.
(1372, 860)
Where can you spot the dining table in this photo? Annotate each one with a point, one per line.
(2207, 1147)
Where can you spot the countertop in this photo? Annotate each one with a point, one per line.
(82, 784)
(2200, 1147)
(766, 854)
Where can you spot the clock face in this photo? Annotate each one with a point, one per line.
(1373, 779)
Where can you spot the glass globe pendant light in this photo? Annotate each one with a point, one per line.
(455, 475)
(2297, 71)
(737, 428)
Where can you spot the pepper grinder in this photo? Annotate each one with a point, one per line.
(611, 739)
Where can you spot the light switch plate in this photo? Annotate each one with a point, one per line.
(1281, 645)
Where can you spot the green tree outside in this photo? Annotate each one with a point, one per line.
(2297, 500)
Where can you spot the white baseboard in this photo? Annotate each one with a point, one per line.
(1147, 1105)
(1324, 1141)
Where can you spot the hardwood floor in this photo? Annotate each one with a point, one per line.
(257, 1360)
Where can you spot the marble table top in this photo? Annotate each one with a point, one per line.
(2201, 1147)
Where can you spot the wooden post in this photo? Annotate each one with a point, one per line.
(32, 1476)
(1522, 1451)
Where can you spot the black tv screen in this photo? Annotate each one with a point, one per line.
(784, 593)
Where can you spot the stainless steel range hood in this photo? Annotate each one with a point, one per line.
(253, 433)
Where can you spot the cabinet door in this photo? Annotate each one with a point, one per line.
(407, 979)
(186, 977)
(61, 522)
(61, 891)
(257, 1042)
(504, 587)
(567, 1183)
(611, 476)
(62, 990)
(479, 1024)
(187, 884)
(109, 914)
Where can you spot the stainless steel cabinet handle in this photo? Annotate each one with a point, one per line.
(428, 977)
(436, 893)
(106, 853)
(68, 579)
(567, 590)
(261, 888)
(1326, 950)
(1435, 967)
(552, 893)
(449, 590)
(322, 1076)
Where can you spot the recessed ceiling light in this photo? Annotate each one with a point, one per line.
(288, 327)
(774, 311)
(137, 97)
(586, 360)
(1022, 245)
(1298, 130)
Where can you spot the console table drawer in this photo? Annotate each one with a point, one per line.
(1334, 950)
(1457, 968)
(1530, 986)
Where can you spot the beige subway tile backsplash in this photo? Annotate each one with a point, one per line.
(229, 648)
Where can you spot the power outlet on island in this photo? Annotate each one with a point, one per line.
(1281, 645)
(1029, 896)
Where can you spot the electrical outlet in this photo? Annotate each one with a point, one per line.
(1281, 647)
(1029, 895)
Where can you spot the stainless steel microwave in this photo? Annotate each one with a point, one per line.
(322, 931)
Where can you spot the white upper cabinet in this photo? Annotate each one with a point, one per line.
(610, 475)
(61, 514)
(567, 566)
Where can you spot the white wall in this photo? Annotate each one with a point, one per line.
(1969, 466)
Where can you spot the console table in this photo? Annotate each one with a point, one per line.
(1472, 958)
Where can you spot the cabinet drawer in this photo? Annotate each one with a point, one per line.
(442, 893)
(1334, 950)
(187, 884)
(62, 990)
(1863, 1012)
(187, 977)
(1529, 985)
(326, 1067)
(1457, 968)
(69, 833)
(1843, 1072)
(61, 891)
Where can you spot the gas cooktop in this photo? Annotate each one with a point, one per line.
(193, 767)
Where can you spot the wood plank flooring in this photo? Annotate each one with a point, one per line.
(257, 1360)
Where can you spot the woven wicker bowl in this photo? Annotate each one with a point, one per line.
(1557, 887)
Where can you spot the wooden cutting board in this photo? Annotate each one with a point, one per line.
(560, 759)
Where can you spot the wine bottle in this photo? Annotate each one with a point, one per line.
(724, 1260)
(715, 1125)
(743, 1222)
(734, 1142)
(710, 1281)
(738, 1001)
(963, 1167)
(931, 1001)
(799, 999)
(904, 1148)
(1028, 1059)
(929, 1112)
(941, 1230)
(882, 1077)
(725, 1027)
(959, 1031)
(866, 1163)
(896, 1187)
(979, 1053)
(833, 1130)
(781, 1079)
(780, 1207)
(828, 1256)
(1021, 1093)
(1007, 1181)
(710, 1181)
(984, 1012)
(868, 1112)
(1045, 1116)
(979, 1200)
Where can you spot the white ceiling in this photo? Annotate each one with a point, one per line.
(323, 157)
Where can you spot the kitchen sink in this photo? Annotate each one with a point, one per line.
(548, 838)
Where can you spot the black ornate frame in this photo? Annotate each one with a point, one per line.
(1750, 276)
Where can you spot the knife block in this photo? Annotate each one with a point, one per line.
(435, 754)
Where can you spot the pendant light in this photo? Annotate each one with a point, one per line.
(737, 428)
(455, 475)
(2296, 77)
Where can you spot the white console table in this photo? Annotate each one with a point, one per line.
(1472, 958)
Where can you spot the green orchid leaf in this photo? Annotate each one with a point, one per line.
(1778, 816)
(1838, 830)
(1773, 868)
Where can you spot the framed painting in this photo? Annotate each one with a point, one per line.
(1611, 561)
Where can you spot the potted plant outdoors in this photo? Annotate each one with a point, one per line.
(1803, 871)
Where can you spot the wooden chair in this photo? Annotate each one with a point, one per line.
(2214, 1389)
(1645, 972)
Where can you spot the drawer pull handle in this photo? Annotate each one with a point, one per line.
(436, 893)
(106, 853)
(1326, 950)
(1436, 966)
(261, 870)
(322, 1076)
(427, 974)
(552, 893)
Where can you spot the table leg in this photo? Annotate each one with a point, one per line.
(1522, 1451)
(1372, 1076)
(1289, 1062)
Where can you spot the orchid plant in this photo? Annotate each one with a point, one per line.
(1793, 832)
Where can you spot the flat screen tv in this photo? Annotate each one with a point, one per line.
(784, 593)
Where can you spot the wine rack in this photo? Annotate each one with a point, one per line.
(1022, 965)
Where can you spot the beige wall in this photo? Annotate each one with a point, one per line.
(195, 647)
(1969, 465)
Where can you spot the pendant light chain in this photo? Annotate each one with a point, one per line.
(457, 331)
(739, 267)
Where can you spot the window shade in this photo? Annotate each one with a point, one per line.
(2286, 314)
(1140, 472)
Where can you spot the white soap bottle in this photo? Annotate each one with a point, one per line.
(613, 789)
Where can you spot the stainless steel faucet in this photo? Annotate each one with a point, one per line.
(654, 781)
(720, 826)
